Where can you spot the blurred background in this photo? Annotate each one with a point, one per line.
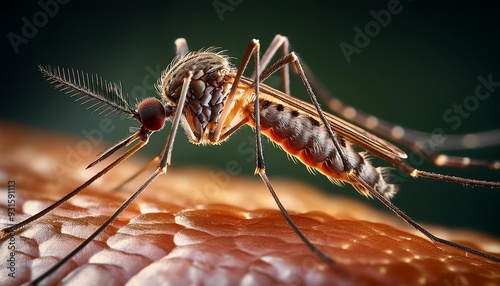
(427, 58)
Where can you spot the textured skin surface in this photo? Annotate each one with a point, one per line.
(176, 234)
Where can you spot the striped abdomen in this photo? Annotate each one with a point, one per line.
(306, 138)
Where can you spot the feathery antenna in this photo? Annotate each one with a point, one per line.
(106, 97)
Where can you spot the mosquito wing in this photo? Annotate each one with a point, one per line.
(353, 133)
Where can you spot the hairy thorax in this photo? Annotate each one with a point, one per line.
(212, 81)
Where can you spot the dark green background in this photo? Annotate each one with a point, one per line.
(424, 61)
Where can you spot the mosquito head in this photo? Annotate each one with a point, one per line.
(151, 114)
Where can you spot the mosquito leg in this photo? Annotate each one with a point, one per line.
(412, 139)
(110, 151)
(233, 129)
(397, 162)
(226, 111)
(151, 163)
(260, 169)
(169, 145)
(323, 257)
(291, 58)
(162, 169)
(258, 135)
(155, 160)
(415, 225)
(430, 175)
(136, 174)
(142, 134)
(412, 171)
(110, 220)
(351, 172)
(423, 143)
(279, 41)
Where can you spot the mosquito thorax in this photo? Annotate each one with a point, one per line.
(151, 114)
(206, 96)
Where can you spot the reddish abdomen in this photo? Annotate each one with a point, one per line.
(307, 139)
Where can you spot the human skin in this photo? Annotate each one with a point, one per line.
(230, 235)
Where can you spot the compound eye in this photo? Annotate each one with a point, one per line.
(151, 114)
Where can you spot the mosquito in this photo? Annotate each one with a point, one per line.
(211, 99)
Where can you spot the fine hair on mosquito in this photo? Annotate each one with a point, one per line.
(211, 99)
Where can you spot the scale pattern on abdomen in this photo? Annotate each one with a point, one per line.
(307, 139)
